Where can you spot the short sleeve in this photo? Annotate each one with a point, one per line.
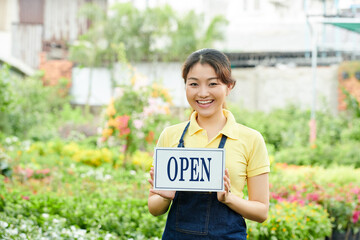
(162, 141)
(258, 159)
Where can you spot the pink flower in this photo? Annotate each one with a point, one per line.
(122, 121)
(314, 197)
(43, 171)
(355, 216)
(138, 123)
(123, 148)
(28, 172)
(25, 197)
(276, 197)
(124, 131)
(355, 190)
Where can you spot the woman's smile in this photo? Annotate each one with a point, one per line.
(204, 103)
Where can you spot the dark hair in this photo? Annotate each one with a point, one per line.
(216, 59)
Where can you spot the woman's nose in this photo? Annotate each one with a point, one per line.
(203, 91)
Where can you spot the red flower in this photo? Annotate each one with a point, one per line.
(123, 124)
(355, 216)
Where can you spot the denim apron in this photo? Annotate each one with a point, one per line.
(200, 215)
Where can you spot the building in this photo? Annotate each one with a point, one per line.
(262, 34)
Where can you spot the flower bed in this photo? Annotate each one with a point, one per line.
(292, 221)
(53, 189)
(340, 196)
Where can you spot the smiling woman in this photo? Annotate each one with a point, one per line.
(206, 94)
(218, 215)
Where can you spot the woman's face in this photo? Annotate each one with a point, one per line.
(205, 92)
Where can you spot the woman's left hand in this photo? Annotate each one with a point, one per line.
(222, 196)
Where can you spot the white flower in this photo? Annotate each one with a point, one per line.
(107, 177)
(138, 123)
(12, 231)
(56, 221)
(108, 236)
(3, 224)
(118, 92)
(23, 236)
(45, 215)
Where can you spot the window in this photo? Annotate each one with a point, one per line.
(31, 11)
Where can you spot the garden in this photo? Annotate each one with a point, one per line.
(62, 182)
(72, 172)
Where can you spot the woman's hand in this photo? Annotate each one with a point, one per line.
(165, 194)
(222, 196)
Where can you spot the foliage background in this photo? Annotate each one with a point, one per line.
(66, 173)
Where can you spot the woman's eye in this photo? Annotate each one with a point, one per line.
(213, 84)
(193, 84)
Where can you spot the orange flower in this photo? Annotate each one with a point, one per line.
(150, 137)
(112, 122)
(107, 132)
(110, 111)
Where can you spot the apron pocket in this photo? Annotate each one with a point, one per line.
(193, 212)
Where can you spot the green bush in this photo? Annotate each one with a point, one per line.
(292, 221)
(126, 218)
(322, 155)
(33, 111)
(289, 127)
(5, 92)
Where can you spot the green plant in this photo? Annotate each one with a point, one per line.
(5, 169)
(336, 189)
(352, 104)
(122, 219)
(5, 92)
(151, 34)
(32, 113)
(292, 221)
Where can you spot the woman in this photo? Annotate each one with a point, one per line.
(203, 215)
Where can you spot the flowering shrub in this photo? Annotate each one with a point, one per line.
(21, 228)
(292, 221)
(93, 157)
(84, 217)
(142, 159)
(135, 117)
(27, 173)
(341, 200)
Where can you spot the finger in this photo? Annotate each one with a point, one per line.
(227, 172)
(158, 192)
(152, 174)
(151, 182)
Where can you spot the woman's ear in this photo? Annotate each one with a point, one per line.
(230, 86)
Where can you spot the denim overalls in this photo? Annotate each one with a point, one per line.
(200, 215)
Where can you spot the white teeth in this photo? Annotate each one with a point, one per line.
(205, 102)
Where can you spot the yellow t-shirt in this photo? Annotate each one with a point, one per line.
(246, 154)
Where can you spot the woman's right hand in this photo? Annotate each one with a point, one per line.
(163, 193)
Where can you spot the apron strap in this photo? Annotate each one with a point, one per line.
(181, 141)
(222, 141)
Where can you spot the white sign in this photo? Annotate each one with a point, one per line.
(189, 169)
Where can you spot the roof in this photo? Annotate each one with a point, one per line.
(17, 65)
(351, 24)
